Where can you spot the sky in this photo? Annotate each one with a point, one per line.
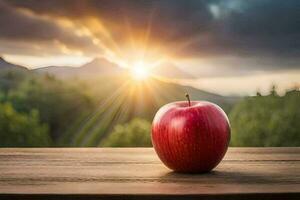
(228, 46)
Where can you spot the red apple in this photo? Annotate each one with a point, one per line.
(190, 136)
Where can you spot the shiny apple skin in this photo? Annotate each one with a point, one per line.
(190, 139)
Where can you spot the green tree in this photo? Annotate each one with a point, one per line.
(267, 120)
(60, 104)
(20, 129)
(136, 133)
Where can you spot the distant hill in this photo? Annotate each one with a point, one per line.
(110, 76)
(98, 66)
(101, 66)
(107, 77)
(4, 66)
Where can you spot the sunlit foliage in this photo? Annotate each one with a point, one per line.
(22, 130)
(59, 104)
(136, 133)
(267, 120)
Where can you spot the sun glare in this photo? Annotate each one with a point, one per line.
(139, 71)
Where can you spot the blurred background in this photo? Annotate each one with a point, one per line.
(86, 73)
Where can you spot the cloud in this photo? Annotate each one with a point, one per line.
(263, 28)
(170, 21)
(258, 31)
(27, 30)
(231, 66)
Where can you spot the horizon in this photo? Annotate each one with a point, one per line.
(182, 82)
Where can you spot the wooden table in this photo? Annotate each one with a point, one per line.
(137, 173)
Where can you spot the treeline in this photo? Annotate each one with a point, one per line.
(258, 121)
(267, 121)
(41, 111)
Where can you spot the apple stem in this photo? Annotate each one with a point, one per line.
(188, 98)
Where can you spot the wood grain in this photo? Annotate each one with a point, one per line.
(132, 173)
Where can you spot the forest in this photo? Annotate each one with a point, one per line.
(42, 110)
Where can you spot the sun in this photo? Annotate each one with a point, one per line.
(139, 71)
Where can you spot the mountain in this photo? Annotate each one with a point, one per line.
(169, 70)
(101, 66)
(4, 65)
(114, 98)
(98, 66)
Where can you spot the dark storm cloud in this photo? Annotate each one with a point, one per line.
(266, 30)
(264, 27)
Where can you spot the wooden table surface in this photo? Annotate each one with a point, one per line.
(133, 173)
